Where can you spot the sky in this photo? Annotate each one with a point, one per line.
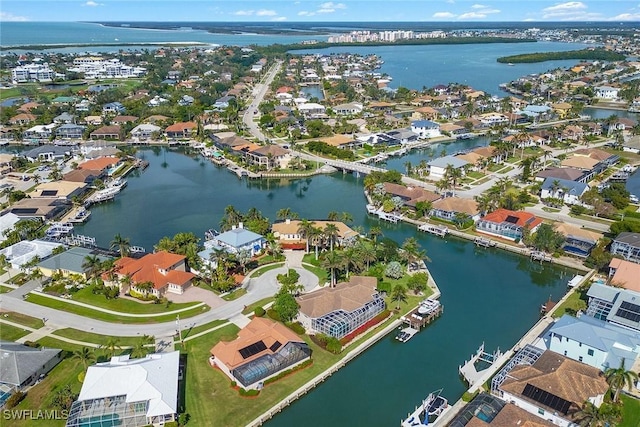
(318, 11)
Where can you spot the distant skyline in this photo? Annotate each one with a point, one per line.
(310, 11)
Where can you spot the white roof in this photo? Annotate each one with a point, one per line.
(153, 379)
(311, 106)
(7, 221)
(23, 252)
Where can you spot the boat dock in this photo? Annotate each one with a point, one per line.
(469, 370)
(540, 256)
(484, 242)
(425, 313)
(438, 230)
(406, 334)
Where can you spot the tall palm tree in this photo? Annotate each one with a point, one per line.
(112, 346)
(92, 266)
(85, 356)
(315, 236)
(331, 232)
(412, 252)
(374, 233)
(333, 216)
(453, 175)
(332, 261)
(366, 252)
(346, 217)
(121, 244)
(619, 378)
(286, 213)
(588, 415)
(305, 229)
(399, 295)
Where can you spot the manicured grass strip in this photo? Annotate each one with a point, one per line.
(5, 289)
(23, 319)
(11, 333)
(321, 273)
(123, 305)
(260, 271)
(260, 303)
(575, 302)
(107, 317)
(197, 329)
(235, 294)
(89, 337)
(630, 411)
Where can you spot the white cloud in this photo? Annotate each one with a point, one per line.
(265, 12)
(626, 17)
(332, 5)
(472, 15)
(443, 15)
(306, 13)
(478, 6)
(10, 17)
(326, 10)
(570, 11)
(243, 12)
(565, 7)
(279, 19)
(92, 3)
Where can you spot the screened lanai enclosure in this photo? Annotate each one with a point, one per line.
(339, 323)
(112, 411)
(269, 364)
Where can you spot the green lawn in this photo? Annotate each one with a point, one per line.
(261, 303)
(89, 337)
(23, 319)
(107, 317)
(235, 294)
(123, 305)
(321, 273)
(11, 333)
(630, 411)
(5, 289)
(260, 271)
(576, 301)
(196, 330)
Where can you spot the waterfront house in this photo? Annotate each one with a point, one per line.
(624, 274)
(287, 232)
(236, 240)
(508, 224)
(167, 272)
(312, 110)
(39, 133)
(615, 305)
(627, 245)
(577, 241)
(486, 410)
(601, 156)
(47, 153)
(403, 136)
(348, 109)
(23, 366)
(121, 120)
(83, 175)
(181, 130)
(594, 342)
(131, 392)
(70, 130)
(65, 190)
(450, 208)
(338, 311)
(562, 109)
(570, 174)
(425, 129)
(425, 113)
(113, 132)
(438, 167)
(262, 349)
(145, 131)
(607, 92)
(536, 113)
(493, 119)
(268, 156)
(71, 261)
(106, 164)
(113, 108)
(554, 387)
(24, 252)
(569, 191)
(7, 222)
(410, 195)
(22, 119)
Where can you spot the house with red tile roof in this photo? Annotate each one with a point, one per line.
(167, 272)
(181, 130)
(99, 164)
(508, 224)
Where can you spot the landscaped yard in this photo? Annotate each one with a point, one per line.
(260, 271)
(630, 411)
(108, 317)
(23, 319)
(576, 301)
(11, 333)
(5, 289)
(89, 337)
(261, 303)
(235, 294)
(123, 305)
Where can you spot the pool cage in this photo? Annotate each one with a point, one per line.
(526, 356)
(484, 407)
(108, 412)
(600, 309)
(269, 364)
(340, 323)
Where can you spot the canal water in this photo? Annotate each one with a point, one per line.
(488, 295)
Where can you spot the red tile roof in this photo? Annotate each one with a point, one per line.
(181, 127)
(147, 269)
(521, 218)
(99, 164)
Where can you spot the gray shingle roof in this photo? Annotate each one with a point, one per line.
(19, 362)
(238, 237)
(70, 260)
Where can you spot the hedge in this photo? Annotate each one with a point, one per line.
(283, 374)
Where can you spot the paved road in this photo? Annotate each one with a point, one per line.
(563, 216)
(259, 91)
(257, 289)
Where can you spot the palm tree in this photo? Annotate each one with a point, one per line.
(242, 258)
(331, 232)
(231, 217)
(399, 295)
(332, 260)
(409, 167)
(333, 216)
(588, 415)
(111, 346)
(453, 175)
(346, 217)
(315, 235)
(140, 349)
(286, 213)
(366, 252)
(305, 229)
(121, 244)
(92, 266)
(412, 252)
(619, 378)
(85, 356)
(374, 233)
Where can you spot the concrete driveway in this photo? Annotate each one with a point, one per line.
(196, 294)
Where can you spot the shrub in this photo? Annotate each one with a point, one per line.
(578, 210)
(183, 419)
(394, 270)
(14, 399)
(273, 314)
(259, 312)
(334, 345)
(296, 327)
(249, 393)
(32, 344)
(283, 374)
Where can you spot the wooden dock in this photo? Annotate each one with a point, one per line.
(438, 230)
(418, 318)
(540, 256)
(484, 242)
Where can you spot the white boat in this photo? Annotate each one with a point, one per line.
(432, 406)
(428, 306)
(406, 334)
(633, 198)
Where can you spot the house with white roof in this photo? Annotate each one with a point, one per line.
(131, 392)
(425, 129)
(348, 109)
(437, 167)
(311, 109)
(607, 92)
(144, 131)
(593, 341)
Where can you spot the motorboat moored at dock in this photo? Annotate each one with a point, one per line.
(432, 406)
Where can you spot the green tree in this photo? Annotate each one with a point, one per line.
(305, 230)
(112, 346)
(399, 295)
(85, 355)
(619, 378)
(121, 244)
(547, 239)
(286, 306)
(92, 266)
(332, 261)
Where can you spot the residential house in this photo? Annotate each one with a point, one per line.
(222, 103)
(23, 366)
(425, 129)
(167, 272)
(181, 130)
(404, 136)
(7, 222)
(233, 241)
(312, 110)
(554, 387)
(93, 120)
(569, 174)
(562, 109)
(569, 191)
(83, 106)
(72, 261)
(131, 392)
(66, 190)
(624, 274)
(145, 131)
(348, 109)
(22, 119)
(103, 163)
(39, 133)
(186, 100)
(593, 341)
(607, 92)
(607, 159)
(438, 167)
(268, 156)
(70, 130)
(508, 224)
(450, 208)
(486, 410)
(262, 349)
(47, 153)
(577, 241)
(425, 113)
(288, 233)
(113, 108)
(536, 113)
(493, 119)
(113, 132)
(86, 176)
(120, 120)
(26, 251)
(64, 118)
(340, 310)
(410, 195)
(615, 304)
(627, 245)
